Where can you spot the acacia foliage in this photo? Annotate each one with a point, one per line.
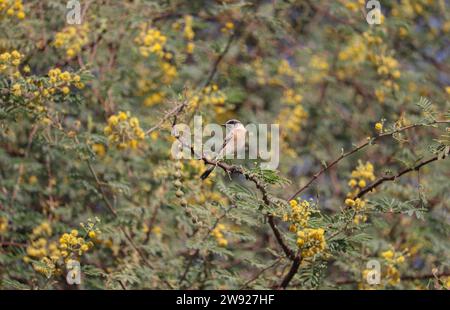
(86, 114)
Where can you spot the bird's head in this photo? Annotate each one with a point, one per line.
(232, 123)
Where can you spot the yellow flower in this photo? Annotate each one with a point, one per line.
(311, 241)
(362, 183)
(134, 122)
(3, 225)
(379, 127)
(349, 202)
(113, 120)
(99, 148)
(389, 254)
(223, 242)
(447, 89)
(122, 116)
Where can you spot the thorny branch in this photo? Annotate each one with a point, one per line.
(356, 149)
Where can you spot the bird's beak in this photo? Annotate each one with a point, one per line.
(224, 125)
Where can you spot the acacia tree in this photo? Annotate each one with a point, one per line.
(87, 177)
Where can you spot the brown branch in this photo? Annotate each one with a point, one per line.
(356, 149)
(173, 112)
(289, 253)
(381, 180)
(229, 169)
(292, 271)
(216, 63)
(11, 243)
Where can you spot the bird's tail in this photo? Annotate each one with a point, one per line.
(207, 172)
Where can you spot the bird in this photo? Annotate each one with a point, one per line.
(230, 144)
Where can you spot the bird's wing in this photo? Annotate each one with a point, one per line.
(226, 141)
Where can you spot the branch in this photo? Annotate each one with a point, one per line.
(292, 271)
(381, 180)
(173, 112)
(356, 149)
(261, 187)
(219, 59)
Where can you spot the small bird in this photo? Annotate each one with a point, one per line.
(230, 144)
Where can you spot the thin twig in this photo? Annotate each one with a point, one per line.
(277, 261)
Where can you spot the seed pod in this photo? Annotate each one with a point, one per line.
(179, 193)
(177, 183)
(183, 202)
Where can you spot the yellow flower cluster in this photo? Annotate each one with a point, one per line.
(44, 254)
(189, 34)
(9, 63)
(72, 39)
(409, 9)
(258, 69)
(386, 66)
(285, 69)
(150, 89)
(298, 215)
(210, 95)
(62, 81)
(291, 97)
(154, 98)
(51, 255)
(150, 41)
(206, 193)
(169, 71)
(372, 39)
(393, 260)
(75, 244)
(354, 5)
(218, 235)
(156, 230)
(370, 47)
(12, 8)
(228, 27)
(319, 66)
(388, 69)
(124, 131)
(355, 52)
(99, 149)
(312, 241)
(359, 178)
(3, 225)
(292, 118)
(72, 244)
(39, 90)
